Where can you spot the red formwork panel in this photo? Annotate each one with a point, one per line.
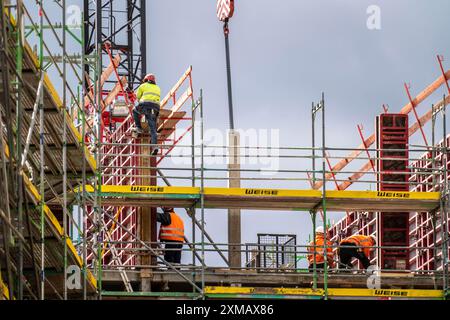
(118, 170)
(393, 175)
(392, 145)
(425, 254)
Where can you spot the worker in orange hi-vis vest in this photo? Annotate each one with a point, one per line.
(171, 233)
(357, 246)
(320, 260)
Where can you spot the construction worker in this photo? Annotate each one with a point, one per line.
(148, 94)
(357, 246)
(320, 261)
(171, 233)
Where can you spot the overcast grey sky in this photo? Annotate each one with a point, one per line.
(284, 54)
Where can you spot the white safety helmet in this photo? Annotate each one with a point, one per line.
(319, 230)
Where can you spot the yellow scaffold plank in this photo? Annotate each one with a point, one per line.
(383, 195)
(249, 192)
(4, 289)
(257, 192)
(391, 293)
(143, 190)
(271, 199)
(254, 292)
(382, 201)
(265, 199)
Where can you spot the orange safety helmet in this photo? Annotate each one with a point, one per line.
(150, 77)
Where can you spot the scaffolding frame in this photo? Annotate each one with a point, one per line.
(99, 243)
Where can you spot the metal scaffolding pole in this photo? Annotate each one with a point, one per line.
(192, 210)
(98, 180)
(324, 210)
(64, 139)
(41, 152)
(445, 207)
(19, 116)
(202, 195)
(313, 146)
(435, 187)
(6, 179)
(83, 169)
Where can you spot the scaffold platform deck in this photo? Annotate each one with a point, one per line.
(232, 284)
(267, 199)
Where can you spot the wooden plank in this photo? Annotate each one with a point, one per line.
(332, 292)
(115, 91)
(165, 100)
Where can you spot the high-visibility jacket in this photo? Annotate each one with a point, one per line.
(174, 231)
(319, 251)
(148, 92)
(364, 242)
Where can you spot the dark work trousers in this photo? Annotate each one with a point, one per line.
(346, 255)
(173, 255)
(151, 111)
(319, 267)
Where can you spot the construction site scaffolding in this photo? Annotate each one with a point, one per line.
(52, 220)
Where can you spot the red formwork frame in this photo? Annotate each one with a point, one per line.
(114, 171)
(421, 233)
(421, 252)
(392, 133)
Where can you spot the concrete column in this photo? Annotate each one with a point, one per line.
(234, 215)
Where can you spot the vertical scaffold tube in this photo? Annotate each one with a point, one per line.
(83, 172)
(41, 149)
(434, 183)
(324, 207)
(313, 137)
(98, 211)
(202, 193)
(19, 66)
(313, 218)
(193, 211)
(64, 138)
(445, 207)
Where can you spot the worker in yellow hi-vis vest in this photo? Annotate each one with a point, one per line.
(148, 94)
